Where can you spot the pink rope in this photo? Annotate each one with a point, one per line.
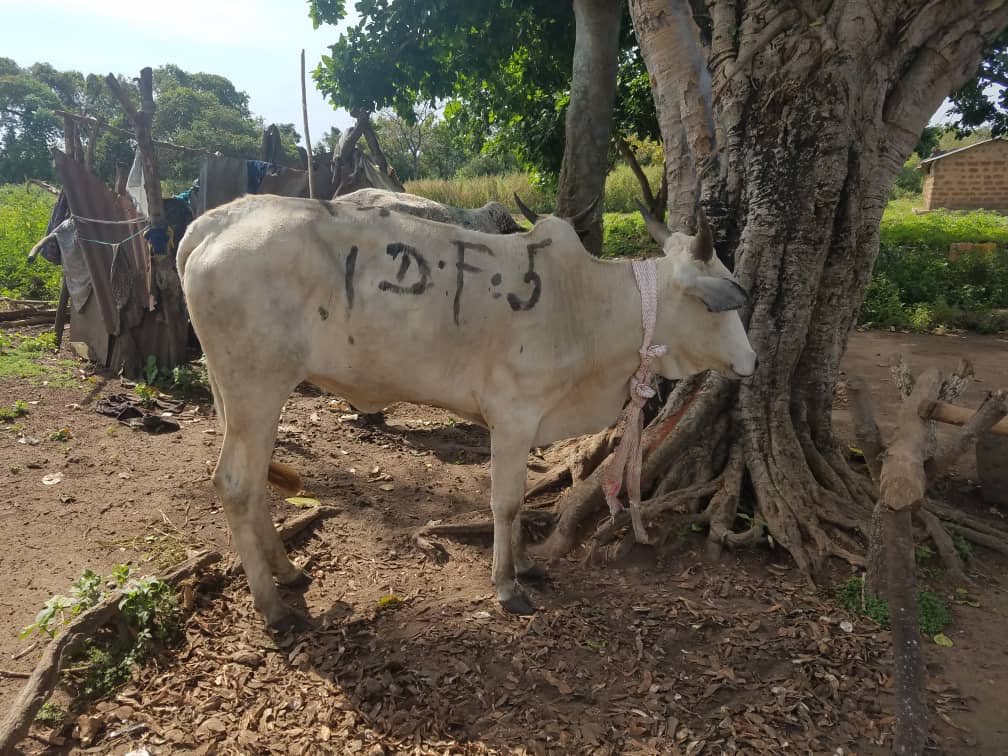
(625, 464)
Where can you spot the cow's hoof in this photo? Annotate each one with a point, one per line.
(518, 604)
(289, 621)
(299, 580)
(534, 574)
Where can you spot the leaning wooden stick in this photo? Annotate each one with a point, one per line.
(307, 138)
(44, 678)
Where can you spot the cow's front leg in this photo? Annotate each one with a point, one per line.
(508, 459)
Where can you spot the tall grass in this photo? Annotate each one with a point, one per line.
(24, 215)
(621, 190)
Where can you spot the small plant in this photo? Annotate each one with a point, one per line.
(923, 553)
(20, 408)
(851, 597)
(14, 469)
(933, 613)
(150, 370)
(386, 603)
(6, 415)
(148, 395)
(189, 380)
(149, 611)
(963, 547)
(51, 714)
(63, 434)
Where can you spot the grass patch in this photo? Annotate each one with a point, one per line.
(32, 358)
(933, 612)
(621, 190)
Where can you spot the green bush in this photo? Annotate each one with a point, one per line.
(916, 282)
(625, 235)
(910, 181)
(933, 613)
(24, 215)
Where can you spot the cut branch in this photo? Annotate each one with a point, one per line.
(991, 412)
(946, 548)
(902, 483)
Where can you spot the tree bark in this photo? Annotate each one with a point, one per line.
(810, 141)
(590, 114)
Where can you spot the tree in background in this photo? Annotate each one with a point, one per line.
(513, 74)
(983, 101)
(193, 109)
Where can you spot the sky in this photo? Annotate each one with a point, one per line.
(254, 43)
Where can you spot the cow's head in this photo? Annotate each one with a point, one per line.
(576, 221)
(698, 304)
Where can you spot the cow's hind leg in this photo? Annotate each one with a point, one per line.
(508, 459)
(240, 479)
(285, 571)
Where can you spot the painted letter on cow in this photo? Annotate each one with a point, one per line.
(408, 253)
(462, 267)
(531, 277)
(351, 263)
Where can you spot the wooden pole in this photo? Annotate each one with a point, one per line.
(307, 137)
(953, 414)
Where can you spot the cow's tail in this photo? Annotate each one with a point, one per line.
(284, 477)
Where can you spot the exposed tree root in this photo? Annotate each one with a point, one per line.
(946, 549)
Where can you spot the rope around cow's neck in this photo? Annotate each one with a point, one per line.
(626, 460)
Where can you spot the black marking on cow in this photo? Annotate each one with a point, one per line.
(328, 207)
(323, 313)
(495, 279)
(531, 277)
(351, 264)
(350, 338)
(384, 212)
(408, 253)
(462, 267)
(521, 349)
(441, 264)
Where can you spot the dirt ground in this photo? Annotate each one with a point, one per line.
(633, 657)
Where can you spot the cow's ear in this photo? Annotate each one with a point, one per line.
(718, 294)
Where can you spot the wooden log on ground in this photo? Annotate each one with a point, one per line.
(44, 678)
(31, 321)
(902, 483)
(29, 312)
(953, 414)
(290, 529)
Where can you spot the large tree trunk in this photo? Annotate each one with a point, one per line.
(814, 114)
(590, 113)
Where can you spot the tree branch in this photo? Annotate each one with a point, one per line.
(631, 160)
(994, 408)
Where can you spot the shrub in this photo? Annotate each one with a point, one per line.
(625, 235)
(24, 215)
(917, 283)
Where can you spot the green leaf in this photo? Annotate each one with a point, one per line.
(943, 640)
(303, 502)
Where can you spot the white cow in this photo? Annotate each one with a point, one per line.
(526, 334)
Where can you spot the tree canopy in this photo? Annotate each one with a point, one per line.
(193, 109)
(502, 68)
(983, 101)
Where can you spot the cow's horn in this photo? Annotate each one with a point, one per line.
(703, 242)
(530, 216)
(658, 230)
(579, 218)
